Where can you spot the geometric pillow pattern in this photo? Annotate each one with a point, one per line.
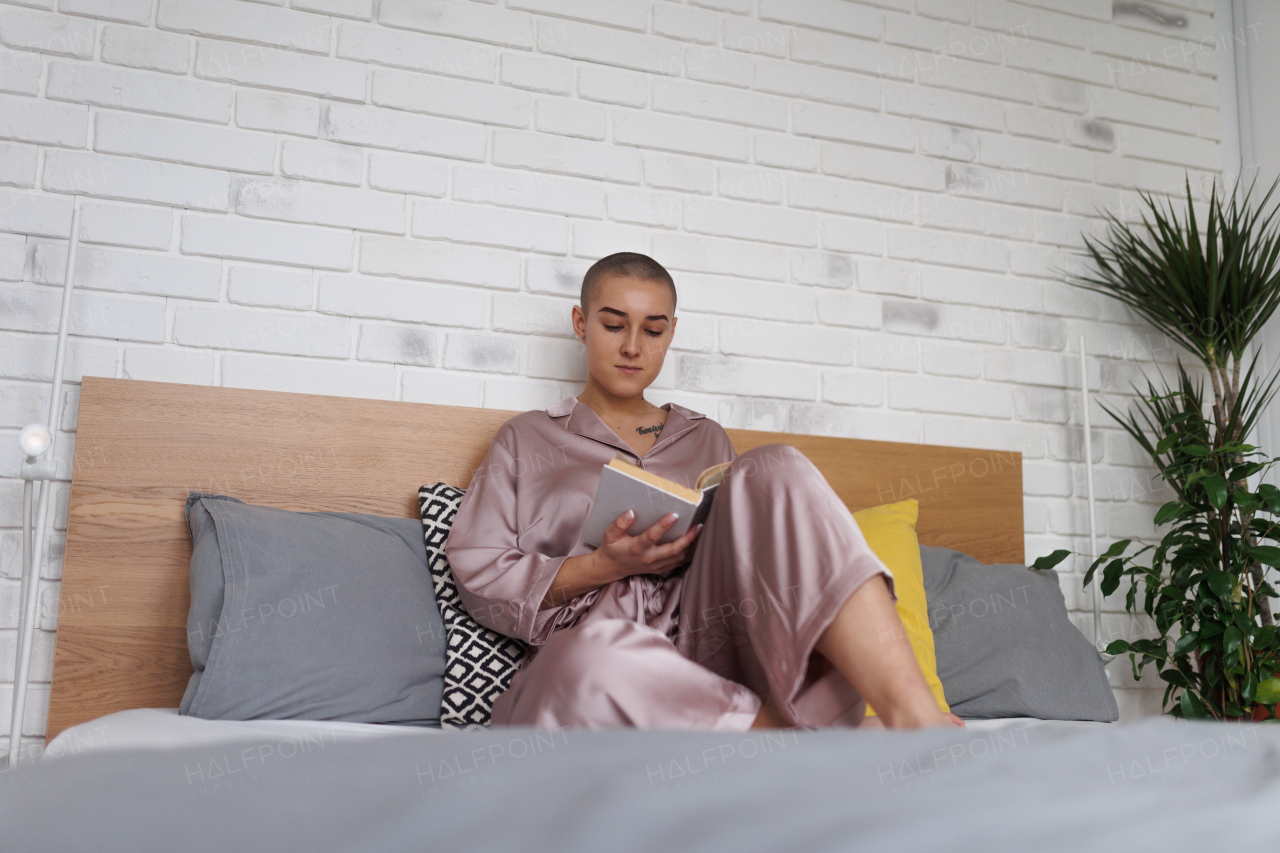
(479, 663)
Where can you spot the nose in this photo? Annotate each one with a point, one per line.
(631, 344)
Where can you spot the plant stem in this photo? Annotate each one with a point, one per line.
(1256, 572)
(1235, 384)
(1217, 382)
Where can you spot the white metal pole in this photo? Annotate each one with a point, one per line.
(29, 496)
(1088, 475)
(31, 601)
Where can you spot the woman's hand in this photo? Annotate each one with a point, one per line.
(620, 556)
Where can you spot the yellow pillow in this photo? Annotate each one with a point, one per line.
(890, 530)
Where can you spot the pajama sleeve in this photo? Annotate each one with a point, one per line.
(500, 584)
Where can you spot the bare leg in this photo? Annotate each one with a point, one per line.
(867, 643)
(770, 717)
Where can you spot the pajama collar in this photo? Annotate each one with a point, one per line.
(583, 420)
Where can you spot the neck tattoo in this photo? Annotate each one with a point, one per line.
(656, 428)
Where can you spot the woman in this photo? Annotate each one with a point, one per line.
(782, 616)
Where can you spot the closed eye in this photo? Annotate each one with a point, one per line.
(616, 328)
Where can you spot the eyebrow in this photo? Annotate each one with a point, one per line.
(624, 314)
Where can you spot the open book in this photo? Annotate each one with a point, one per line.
(623, 486)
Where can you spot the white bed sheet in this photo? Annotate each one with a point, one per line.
(1021, 722)
(164, 728)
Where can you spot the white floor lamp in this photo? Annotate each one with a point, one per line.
(38, 444)
(1093, 523)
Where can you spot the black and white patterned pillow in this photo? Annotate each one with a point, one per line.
(479, 663)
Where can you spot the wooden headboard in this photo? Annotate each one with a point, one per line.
(142, 446)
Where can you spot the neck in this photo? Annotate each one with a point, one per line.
(604, 403)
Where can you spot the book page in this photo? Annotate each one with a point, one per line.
(670, 486)
(713, 475)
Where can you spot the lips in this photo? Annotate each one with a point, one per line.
(629, 371)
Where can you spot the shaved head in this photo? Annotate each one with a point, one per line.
(627, 265)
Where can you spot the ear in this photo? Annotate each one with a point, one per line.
(579, 323)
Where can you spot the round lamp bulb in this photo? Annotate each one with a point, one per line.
(34, 440)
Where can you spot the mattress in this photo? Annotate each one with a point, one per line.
(997, 785)
(164, 728)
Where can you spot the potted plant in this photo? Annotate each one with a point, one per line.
(1203, 584)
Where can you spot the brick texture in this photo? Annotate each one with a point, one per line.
(865, 204)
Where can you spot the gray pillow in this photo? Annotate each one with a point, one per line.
(1005, 645)
(310, 616)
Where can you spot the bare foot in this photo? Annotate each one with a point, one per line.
(925, 716)
(874, 722)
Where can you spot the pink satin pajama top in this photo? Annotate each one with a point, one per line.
(525, 508)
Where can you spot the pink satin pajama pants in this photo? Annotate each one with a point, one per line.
(778, 558)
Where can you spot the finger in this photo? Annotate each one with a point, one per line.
(663, 554)
(673, 563)
(660, 567)
(618, 530)
(686, 540)
(676, 547)
(663, 525)
(646, 547)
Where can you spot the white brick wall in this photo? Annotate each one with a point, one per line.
(864, 206)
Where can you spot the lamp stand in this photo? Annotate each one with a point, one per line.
(33, 546)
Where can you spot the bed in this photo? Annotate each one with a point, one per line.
(123, 772)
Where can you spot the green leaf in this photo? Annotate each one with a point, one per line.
(1186, 643)
(1169, 512)
(1174, 677)
(1051, 560)
(1248, 501)
(1117, 548)
(1230, 448)
(1195, 450)
(1165, 443)
(1268, 692)
(1111, 577)
(1249, 688)
(1231, 641)
(1191, 706)
(1216, 488)
(1222, 583)
(1268, 555)
(1271, 495)
(1117, 647)
(1242, 472)
(1242, 621)
(1265, 637)
(1088, 576)
(1211, 629)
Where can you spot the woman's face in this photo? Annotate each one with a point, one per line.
(627, 329)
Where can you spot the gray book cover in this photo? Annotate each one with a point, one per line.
(618, 492)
